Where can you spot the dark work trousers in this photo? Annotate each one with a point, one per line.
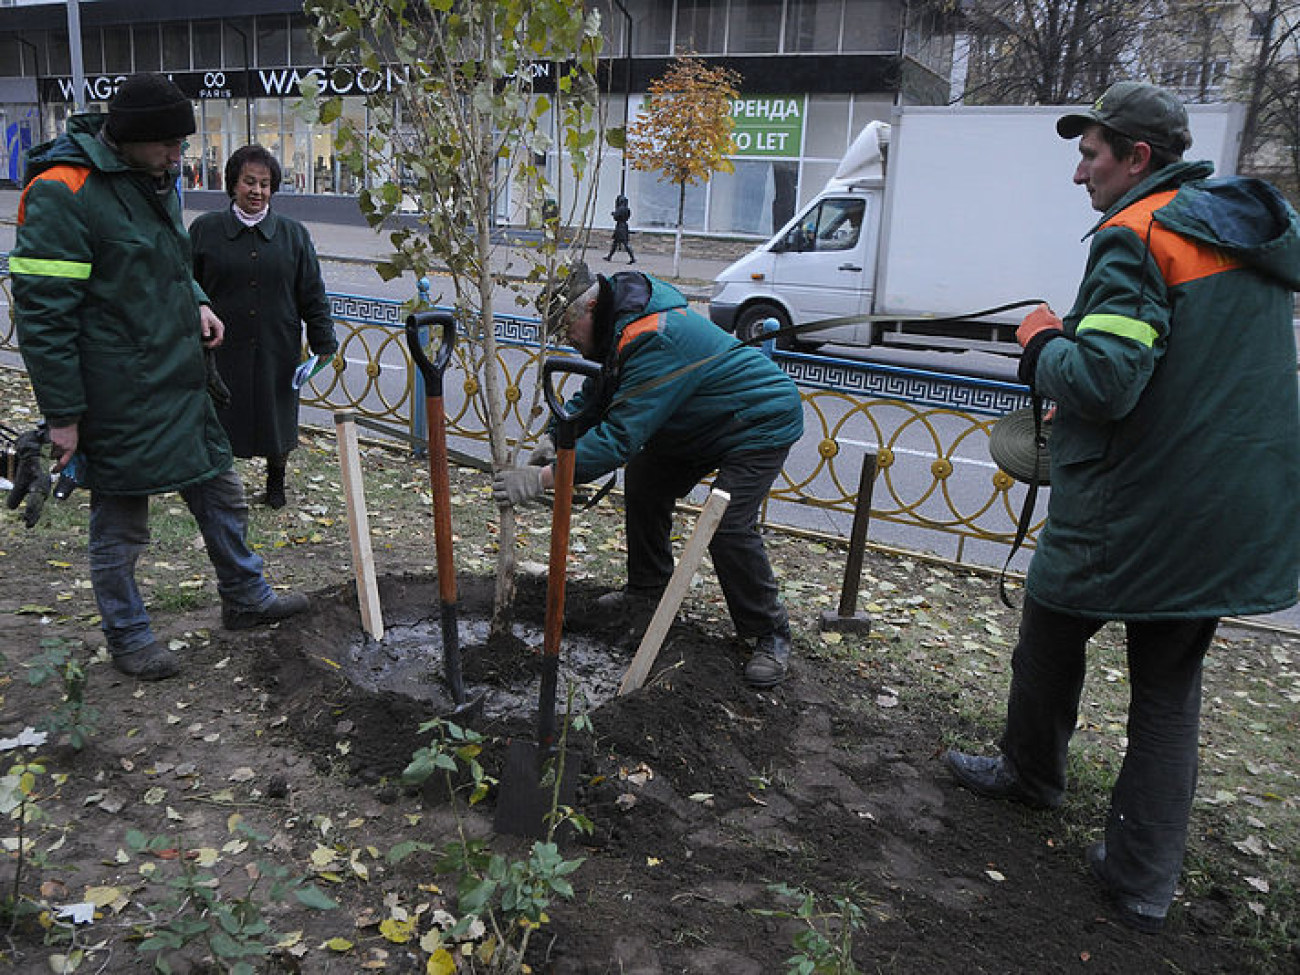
(1146, 830)
(654, 483)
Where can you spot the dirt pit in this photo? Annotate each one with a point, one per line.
(705, 793)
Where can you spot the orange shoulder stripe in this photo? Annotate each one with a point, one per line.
(650, 323)
(73, 177)
(1180, 260)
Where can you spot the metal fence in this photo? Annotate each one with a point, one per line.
(928, 431)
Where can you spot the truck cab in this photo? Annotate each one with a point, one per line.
(820, 265)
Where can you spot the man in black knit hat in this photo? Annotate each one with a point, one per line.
(113, 330)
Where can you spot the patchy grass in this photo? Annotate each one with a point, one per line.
(940, 646)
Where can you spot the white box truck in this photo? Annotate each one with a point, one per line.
(928, 220)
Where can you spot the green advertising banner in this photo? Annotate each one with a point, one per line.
(768, 126)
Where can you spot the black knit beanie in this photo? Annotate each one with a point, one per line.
(149, 108)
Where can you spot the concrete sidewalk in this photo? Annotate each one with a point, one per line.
(702, 257)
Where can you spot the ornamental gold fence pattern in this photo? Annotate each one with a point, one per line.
(928, 431)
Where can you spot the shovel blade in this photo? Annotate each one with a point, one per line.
(525, 792)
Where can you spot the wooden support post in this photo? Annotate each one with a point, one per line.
(847, 618)
(705, 525)
(354, 492)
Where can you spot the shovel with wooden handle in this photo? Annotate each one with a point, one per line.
(524, 798)
(440, 487)
(705, 525)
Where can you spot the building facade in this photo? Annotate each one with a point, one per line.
(814, 72)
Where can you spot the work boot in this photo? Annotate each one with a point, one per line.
(770, 662)
(1132, 913)
(152, 662)
(994, 778)
(629, 603)
(235, 617)
(275, 484)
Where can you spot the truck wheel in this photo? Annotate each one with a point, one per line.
(751, 320)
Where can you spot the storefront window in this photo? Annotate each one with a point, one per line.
(741, 201)
(117, 50)
(10, 58)
(814, 25)
(873, 25)
(207, 43)
(92, 51)
(301, 50)
(272, 40)
(346, 180)
(56, 51)
(176, 47)
(826, 126)
(652, 26)
(239, 45)
(296, 158)
(867, 108)
(148, 49)
(266, 113)
(701, 26)
(755, 27)
(657, 202)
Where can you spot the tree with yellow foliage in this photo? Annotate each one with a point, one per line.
(683, 130)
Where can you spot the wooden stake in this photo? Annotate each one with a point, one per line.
(666, 611)
(354, 491)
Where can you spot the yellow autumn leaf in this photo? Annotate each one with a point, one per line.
(207, 856)
(103, 896)
(398, 932)
(440, 963)
(338, 944)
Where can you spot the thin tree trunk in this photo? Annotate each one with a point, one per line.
(677, 241)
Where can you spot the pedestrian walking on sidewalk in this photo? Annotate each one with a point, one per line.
(621, 213)
(261, 272)
(682, 400)
(112, 328)
(1175, 473)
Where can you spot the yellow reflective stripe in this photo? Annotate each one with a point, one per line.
(77, 270)
(1127, 328)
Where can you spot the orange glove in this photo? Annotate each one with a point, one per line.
(1041, 319)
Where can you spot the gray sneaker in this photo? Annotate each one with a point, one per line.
(154, 662)
(235, 617)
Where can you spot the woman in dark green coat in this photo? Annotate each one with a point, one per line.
(261, 273)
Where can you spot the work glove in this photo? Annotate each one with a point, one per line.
(543, 454)
(31, 479)
(1037, 328)
(217, 387)
(1041, 319)
(517, 485)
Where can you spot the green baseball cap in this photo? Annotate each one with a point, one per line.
(1138, 110)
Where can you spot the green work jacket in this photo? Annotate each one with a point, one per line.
(1175, 451)
(677, 384)
(108, 317)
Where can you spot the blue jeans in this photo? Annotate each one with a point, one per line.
(1151, 802)
(119, 532)
(653, 484)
